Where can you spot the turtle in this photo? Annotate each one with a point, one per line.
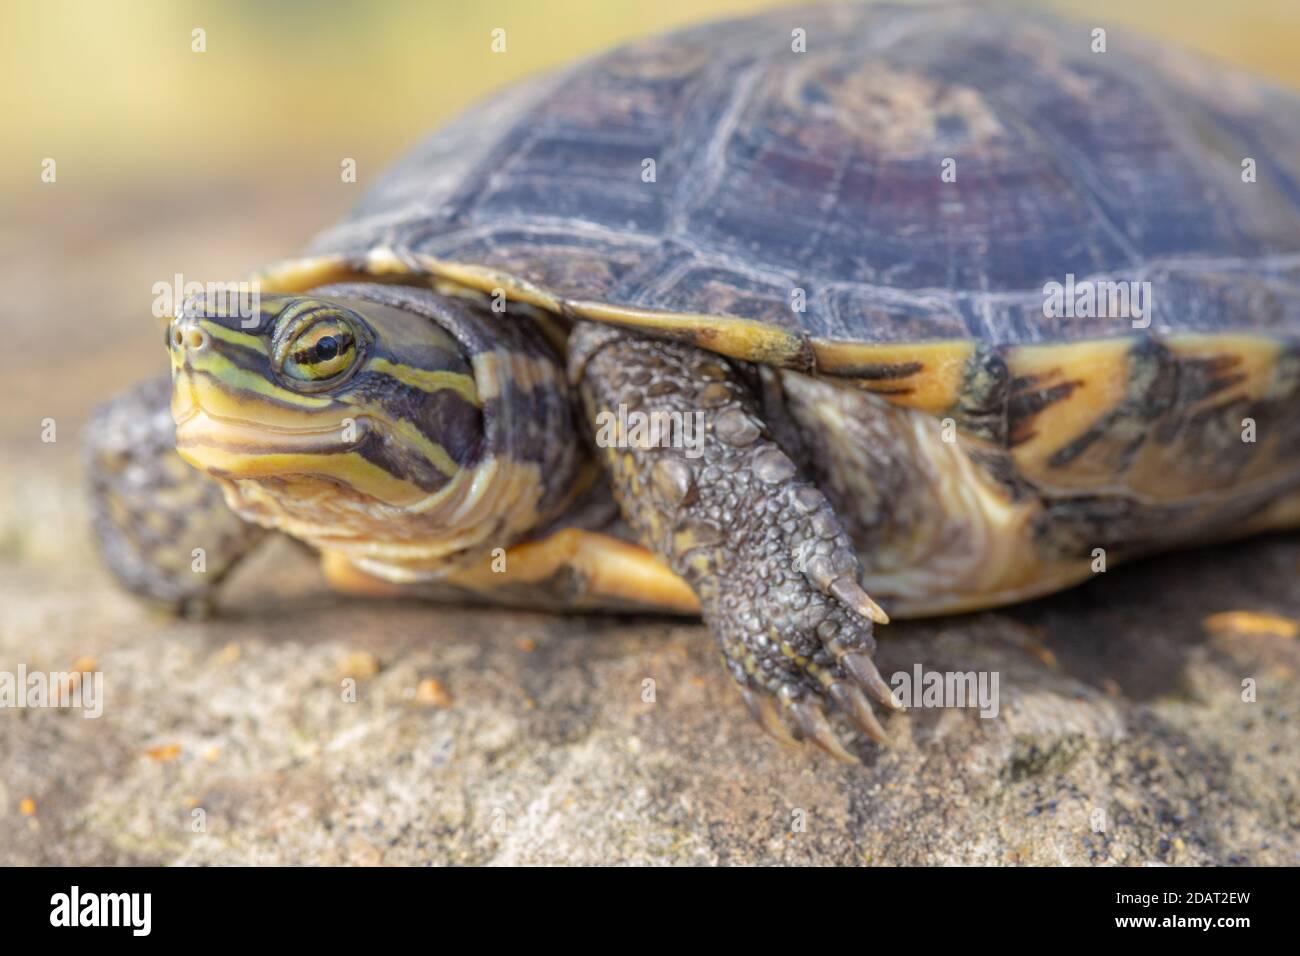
(796, 322)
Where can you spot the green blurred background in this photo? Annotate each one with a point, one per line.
(211, 164)
(114, 91)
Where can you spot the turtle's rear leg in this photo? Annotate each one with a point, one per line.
(728, 511)
(163, 527)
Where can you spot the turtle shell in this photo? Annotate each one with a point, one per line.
(882, 194)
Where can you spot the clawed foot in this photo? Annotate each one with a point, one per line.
(776, 575)
(795, 627)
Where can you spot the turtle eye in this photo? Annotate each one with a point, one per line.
(322, 351)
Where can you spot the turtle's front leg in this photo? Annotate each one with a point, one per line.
(726, 509)
(164, 528)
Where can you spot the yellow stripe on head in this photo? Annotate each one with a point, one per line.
(429, 380)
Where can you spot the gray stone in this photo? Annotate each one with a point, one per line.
(1118, 708)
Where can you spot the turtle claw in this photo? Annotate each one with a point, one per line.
(854, 703)
(830, 576)
(863, 670)
(849, 593)
(811, 720)
(764, 713)
(805, 718)
(841, 672)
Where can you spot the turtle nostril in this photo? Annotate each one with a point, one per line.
(196, 339)
(177, 338)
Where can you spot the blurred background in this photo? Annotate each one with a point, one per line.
(211, 164)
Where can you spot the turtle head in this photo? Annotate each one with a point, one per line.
(329, 416)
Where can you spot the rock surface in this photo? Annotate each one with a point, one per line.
(486, 737)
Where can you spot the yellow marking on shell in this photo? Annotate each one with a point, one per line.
(487, 279)
(428, 380)
(383, 261)
(934, 388)
(1172, 469)
(1256, 361)
(308, 272)
(980, 543)
(1157, 470)
(385, 265)
(739, 338)
(1099, 373)
(728, 335)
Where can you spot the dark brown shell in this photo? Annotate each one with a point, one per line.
(804, 189)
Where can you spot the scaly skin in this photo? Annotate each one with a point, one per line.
(776, 575)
